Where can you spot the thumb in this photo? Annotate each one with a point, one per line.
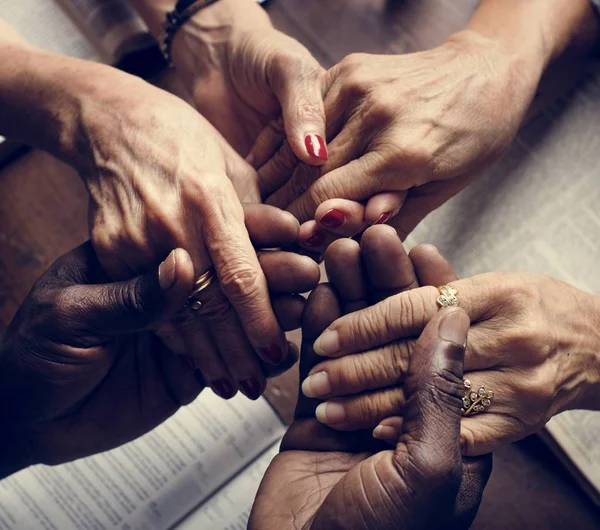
(298, 84)
(135, 304)
(433, 390)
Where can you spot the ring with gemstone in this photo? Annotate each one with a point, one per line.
(447, 296)
(202, 282)
(475, 401)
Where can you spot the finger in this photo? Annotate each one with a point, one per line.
(202, 354)
(383, 207)
(313, 239)
(363, 411)
(431, 267)
(299, 89)
(288, 310)
(434, 390)
(278, 170)
(356, 181)
(266, 145)
(388, 266)
(345, 272)
(403, 315)
(140, 303)
(216, 314)
(270, 227)
(345, 148)
(289, 273)
(289, 360)
(242, 280)
(341, 217)
(389, 430)
(322, 307)
(292, 184)
(359, 372)
(475, 475)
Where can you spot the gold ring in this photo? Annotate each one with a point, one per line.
(202, 282)
(447, 296)
(475, 402)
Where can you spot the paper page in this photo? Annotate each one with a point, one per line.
(112, 24)
(537, 210)
(45, 24)
(229, 508)
(148, 484)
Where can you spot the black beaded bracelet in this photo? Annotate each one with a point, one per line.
(184, 10)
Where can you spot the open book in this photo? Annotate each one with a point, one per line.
(198, 470)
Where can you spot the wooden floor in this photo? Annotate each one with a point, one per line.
(43, 214)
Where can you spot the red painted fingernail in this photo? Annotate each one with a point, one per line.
(383, 218)
(315, 145)
(223, 388)
(250, 388)
(272, 354)
(187, 361)
(333, 219)
(316, 240)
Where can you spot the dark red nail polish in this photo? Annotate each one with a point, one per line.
(250, 388)
(187, 362)
(383, 218)
(333, 219)
(223, 388)
(272, 354)
(315, 145)
(316, 240)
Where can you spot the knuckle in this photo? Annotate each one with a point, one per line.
(241, 282)
(382, 109)
(400, 355)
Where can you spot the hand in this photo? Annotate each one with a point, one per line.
(417, 485)
(242, 74)
(533, 341)
(160, 177)
(405, 133)
(80, 369)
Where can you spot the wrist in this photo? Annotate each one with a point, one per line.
(579, 363)
(201, 46)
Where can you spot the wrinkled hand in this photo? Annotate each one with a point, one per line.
(242, 74)
(80, 369)
(161, 177)
(324, 479)
(538, 355)
(406, 133)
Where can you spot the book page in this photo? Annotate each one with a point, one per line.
(229, 508)
(537, 210)
(148, 484)
(46, 25)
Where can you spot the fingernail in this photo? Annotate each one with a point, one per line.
(383, 218)
(381, 432)
(250, 388)
(272, 354)
(223, 388)
(455, 327)
(166, 271)
(316, 240)
(328, 343)
(316, 385)
(330, 413)
(187, 361)
(333, 219)
(315, 145)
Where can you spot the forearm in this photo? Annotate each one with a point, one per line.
(42, 96)
(535, 32)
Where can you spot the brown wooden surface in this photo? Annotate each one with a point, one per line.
(43, 214)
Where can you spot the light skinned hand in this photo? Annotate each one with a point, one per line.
(248, 78)
(405, 133)
(539, 357)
